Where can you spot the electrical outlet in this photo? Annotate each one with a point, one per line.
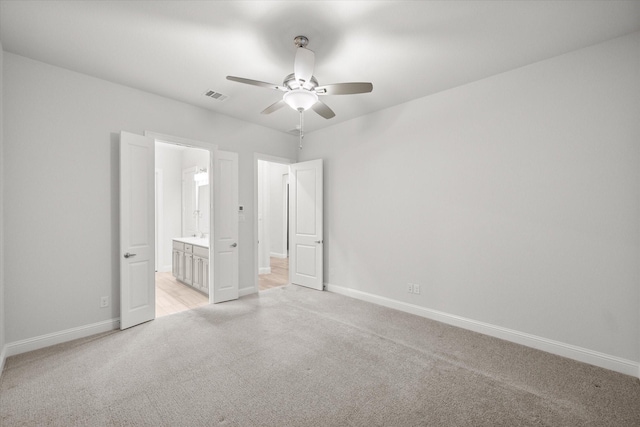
(104, 302)
(416, 288)
(410, 288)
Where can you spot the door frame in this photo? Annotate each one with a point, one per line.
(266, 158)
(211, 148)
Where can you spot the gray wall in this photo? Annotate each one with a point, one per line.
(2, 304)
(61, 158)
(277, 243)
(512, 201)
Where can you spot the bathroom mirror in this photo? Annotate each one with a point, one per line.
(203, 208)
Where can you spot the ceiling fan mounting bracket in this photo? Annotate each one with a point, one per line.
(301, 41)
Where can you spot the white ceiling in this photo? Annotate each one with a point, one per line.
(182, 49)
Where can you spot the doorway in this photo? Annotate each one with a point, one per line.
(217, 272)
(182, 228)
(273, 222)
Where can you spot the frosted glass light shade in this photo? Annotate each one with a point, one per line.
(300, 99)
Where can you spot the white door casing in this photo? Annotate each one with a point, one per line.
(225, 227)
(137, 230)
(305, 224)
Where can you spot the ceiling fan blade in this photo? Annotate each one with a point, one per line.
(322, 109)
(344, 88)
(303, 65)
(256, 83)
(273, 107)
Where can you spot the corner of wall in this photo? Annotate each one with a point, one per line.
(3, 347)
(3, 356)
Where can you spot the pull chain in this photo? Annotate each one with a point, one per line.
(301, 131)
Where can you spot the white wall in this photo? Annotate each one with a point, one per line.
(264, 262)
(169, 160)
(194, 157)
(277, 243)
(61, 218)
(2, 303)
(270, 213)
(512, 201)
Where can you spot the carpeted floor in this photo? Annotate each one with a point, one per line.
(297, 357)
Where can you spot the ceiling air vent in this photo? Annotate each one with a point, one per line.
(216, 95)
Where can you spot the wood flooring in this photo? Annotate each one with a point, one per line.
(174, 297)
(279, 274)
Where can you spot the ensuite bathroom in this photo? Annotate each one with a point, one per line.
(182, 218)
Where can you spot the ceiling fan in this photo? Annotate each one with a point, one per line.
(301, 89)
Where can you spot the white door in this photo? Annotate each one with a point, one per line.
(305, 224)
(137, 230)
(225, 226)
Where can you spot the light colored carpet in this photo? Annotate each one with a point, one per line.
(297, 357)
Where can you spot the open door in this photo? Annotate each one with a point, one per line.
(225, 226)
(137, 230)
(305, 224)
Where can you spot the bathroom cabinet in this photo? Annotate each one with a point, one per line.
(191, 262)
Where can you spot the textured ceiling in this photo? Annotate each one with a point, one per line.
(182, 49)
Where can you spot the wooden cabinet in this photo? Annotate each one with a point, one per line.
(201, 268)
(191, 265)
(188, 268)
(198, 277)
(177, 265)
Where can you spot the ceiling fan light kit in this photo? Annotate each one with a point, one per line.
(301, 88)
(300, 99)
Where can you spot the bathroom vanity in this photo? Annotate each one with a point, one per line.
(191, 262)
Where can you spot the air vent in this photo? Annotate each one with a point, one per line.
(216, 95)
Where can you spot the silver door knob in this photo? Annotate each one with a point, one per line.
(128, 255)
(234, 245)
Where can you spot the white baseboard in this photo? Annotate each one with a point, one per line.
(580, 354)
(275, 255)
(54, 338)
(264, 270)
(165, 269)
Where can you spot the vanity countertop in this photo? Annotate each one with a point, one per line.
(198, 241)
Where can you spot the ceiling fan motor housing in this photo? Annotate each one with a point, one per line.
(291, 83)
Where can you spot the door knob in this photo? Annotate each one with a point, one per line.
(234, 245)
(128, 255)
(318, 241)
